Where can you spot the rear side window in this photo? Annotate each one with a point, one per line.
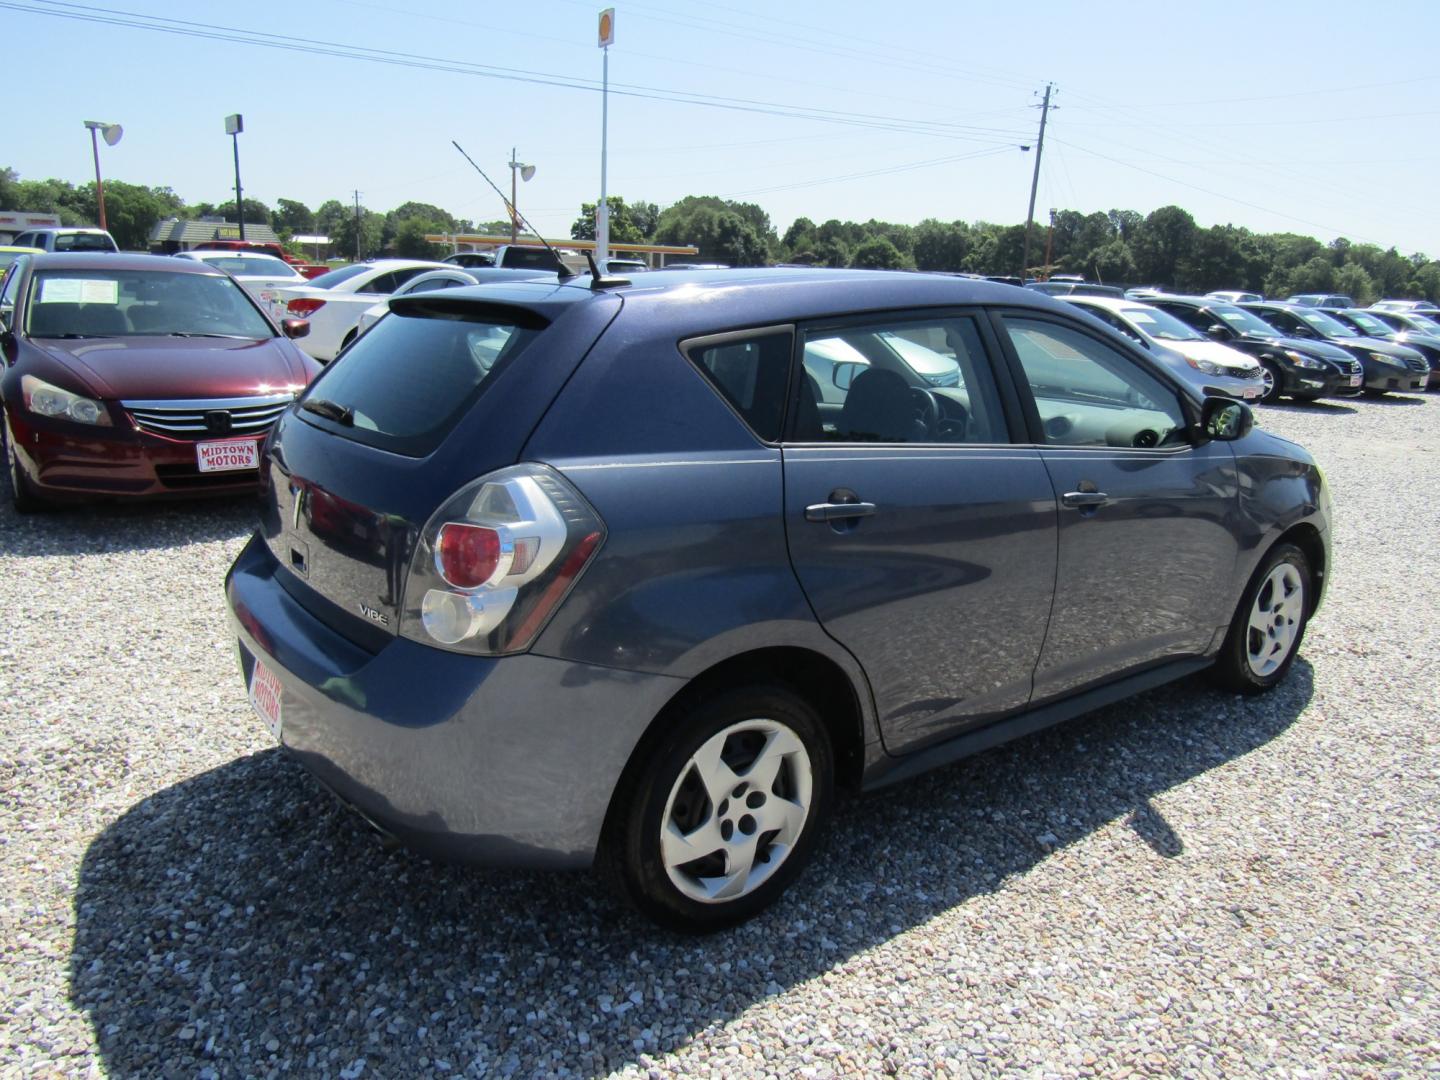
(404, 384)
(751, 373)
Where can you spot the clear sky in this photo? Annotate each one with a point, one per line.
(1319, 118)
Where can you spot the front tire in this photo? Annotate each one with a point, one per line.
(1269, 624)
(725, 811)
(1272, 382)
(22, 496)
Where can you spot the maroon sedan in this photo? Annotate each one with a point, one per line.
(137, 376)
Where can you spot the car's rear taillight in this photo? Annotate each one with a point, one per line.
(304, 306)
(497, 559)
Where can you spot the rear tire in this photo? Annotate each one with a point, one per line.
(725, 811)
(1269, 624)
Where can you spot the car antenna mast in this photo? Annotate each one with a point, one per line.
(565, 273)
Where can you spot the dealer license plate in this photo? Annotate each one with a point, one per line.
(1355, 380)
(265, 696)
(228, 456)
(1251, 395)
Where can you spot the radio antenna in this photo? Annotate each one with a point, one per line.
(564, 273)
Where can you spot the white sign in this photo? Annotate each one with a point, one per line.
(607, 27)
(227, 456)
(79, 291)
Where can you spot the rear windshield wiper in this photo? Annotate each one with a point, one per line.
(196, 333)
(64, 337)
(341, 414)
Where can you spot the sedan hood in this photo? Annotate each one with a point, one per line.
(154, 367)
(1214, 352)
(1385, 348)
(1308, 346)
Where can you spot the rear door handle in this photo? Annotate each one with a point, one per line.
(838, 511)
(1084, 498)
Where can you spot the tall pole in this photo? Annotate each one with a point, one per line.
(514, 218)
(1035, 180)
(239, 197)
(99, 187)
(1049, 242)
(357, 226)
(602, 214)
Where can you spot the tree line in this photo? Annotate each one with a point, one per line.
(1165, 247)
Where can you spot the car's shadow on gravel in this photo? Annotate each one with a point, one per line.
(1312, 407)
(87, 529)
(241, 921)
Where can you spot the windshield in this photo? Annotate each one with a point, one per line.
(1324, 323)
(1371, 325)
(252, 265)
(1158, 324)
(335, 277)
(141, 303)
(1244, 323)
(1425, 324)
(84, 242)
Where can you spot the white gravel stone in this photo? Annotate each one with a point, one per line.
(1188, 884)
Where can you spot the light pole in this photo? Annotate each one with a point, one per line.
(234, 125)
(602, 211)
(112, 133)
(526, 172)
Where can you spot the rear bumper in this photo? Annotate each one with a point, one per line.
(66, 462)
(504, 761)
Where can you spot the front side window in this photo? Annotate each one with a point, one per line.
(898, 382)
(1090, 394)
(1325, 325)
(332, 278)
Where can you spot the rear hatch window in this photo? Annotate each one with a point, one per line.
(403, 385)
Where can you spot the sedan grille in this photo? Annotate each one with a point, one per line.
(1349, 367)
(1249, 373)
(1416, 363)
(209, 417)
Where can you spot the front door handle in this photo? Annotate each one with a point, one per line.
(838, 511)
(1084, 498)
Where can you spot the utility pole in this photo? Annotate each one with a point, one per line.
(514, 220)
(1049, 244)
(357, 226)
(1035, 180)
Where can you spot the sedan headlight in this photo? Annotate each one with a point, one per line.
(1301, 360)
(1207, 366)
(1382, 358)
(45, 400)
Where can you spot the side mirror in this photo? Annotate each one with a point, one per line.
(1225, 420)
(295, 328)
(845, 374)
(1218, 331)
(1302, 331)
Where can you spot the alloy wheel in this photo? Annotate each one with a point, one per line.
(1275, 619)
(1267, 381)
(736, 811)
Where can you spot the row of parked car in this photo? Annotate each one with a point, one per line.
(574, 570)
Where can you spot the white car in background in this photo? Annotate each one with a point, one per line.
(1215, 368)
(260, 275)
(335, 301)
(452, 277)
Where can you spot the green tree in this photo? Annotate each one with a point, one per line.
(1163, 243)
(878, 253)
(721, 234)
(623, 227)
(371, 234)
(1352, 280)
(329, 217)
(410, 242)
(132, 210)
(256, 212)
(291, 217)
(940, 246)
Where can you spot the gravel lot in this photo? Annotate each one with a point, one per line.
(1187, 884)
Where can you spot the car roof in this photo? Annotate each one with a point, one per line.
(757, 296)
(110, 260)
(21, 249)
(1109, 303)
(63, 229)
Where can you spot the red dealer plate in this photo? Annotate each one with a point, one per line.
(227, 456)
(265, 696)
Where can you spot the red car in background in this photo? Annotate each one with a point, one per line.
(306, 269)
(137, 376)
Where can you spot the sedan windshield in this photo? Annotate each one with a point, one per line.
(1244, 323)
(335, 277)
(252, 266)
(1324, 323)
(141, 303)
(1371, 325)
(1158, 324)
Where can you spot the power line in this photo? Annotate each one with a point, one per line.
(211, 31)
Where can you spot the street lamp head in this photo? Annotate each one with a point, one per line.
(527, 171)
(109, 132)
